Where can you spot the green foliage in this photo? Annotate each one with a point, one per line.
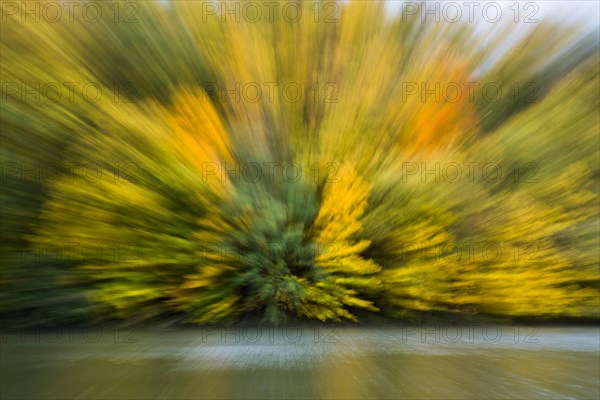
(173, 224)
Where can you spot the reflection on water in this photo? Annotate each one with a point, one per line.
(444, 362)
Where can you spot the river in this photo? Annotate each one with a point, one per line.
(292, 362)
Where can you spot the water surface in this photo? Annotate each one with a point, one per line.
(435, 361)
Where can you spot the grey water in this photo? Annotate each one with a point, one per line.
(299, 362)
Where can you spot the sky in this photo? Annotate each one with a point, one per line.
(585, 13)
